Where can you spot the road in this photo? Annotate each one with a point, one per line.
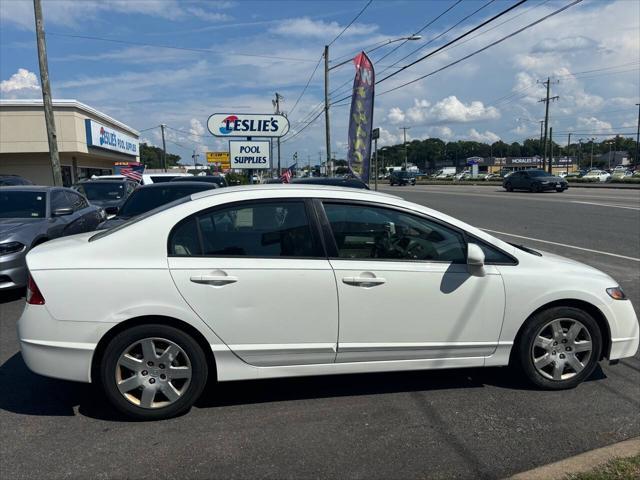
(472, 423)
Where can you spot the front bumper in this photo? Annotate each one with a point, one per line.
(554, 186)
(625, 330)
(58, 349)
(13, 270)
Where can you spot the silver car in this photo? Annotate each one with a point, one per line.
(30, 215)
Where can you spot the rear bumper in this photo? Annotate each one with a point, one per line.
(58, 349)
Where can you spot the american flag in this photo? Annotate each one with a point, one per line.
(288, 173)
(133, 173)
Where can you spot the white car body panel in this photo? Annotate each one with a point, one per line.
(283, 324)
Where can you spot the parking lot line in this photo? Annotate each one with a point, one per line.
(563, 245)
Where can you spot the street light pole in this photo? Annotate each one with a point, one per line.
(638, 137)
(405, 146)
(592, 142)
(568, 151)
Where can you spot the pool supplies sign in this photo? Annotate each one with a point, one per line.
(247, 125)
(101, 136)
(247, 154)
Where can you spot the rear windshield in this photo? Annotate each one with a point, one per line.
(104, 233)
(145, 199)
(17, 204)
(162, 178)
(102, 190)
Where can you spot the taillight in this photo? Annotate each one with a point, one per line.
(34, 297)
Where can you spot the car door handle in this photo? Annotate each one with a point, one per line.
(363, 281)
(215, 280)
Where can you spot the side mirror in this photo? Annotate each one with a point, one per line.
(475, 259)
(111, 210)
(61, 212)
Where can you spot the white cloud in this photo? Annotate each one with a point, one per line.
(592, 124)
(306, 27)
(207, 15)
(451, 109)
(396, 115)
(20, 83)
(419, 111)
(572, 44)
(486, 137)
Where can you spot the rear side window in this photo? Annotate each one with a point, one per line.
(254, 229)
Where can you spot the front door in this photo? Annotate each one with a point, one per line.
(404, 288)
(257, 274)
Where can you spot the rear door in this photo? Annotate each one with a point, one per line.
(257, 274)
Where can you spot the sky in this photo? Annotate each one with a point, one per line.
(147, 62)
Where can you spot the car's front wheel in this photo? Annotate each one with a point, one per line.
(559, 348)
(508, 187)
(153, 371)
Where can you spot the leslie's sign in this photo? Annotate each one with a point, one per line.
(247, 125)
(101, 136)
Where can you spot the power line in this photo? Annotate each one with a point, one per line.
(424, 27)
(350, 23)
(492, 44)
(200, 50)
(307, 85)
(451, 28)
(304, 128)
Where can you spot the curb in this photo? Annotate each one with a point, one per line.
(618, 186)
(583, 462)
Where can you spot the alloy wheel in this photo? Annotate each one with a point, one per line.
(153, 373)
(561, 349)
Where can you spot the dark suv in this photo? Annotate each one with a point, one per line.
(401, 178)
(534, 181)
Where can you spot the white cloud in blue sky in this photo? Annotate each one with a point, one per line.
(492, 95)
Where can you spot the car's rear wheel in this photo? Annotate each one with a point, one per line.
(153, 371)
(559, 348)
(508, 187)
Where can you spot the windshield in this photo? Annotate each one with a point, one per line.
(17, 204)
(102, 190)
(145, 199)
(538, 173)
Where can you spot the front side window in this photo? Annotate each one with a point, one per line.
(364, 232)
(263, 229)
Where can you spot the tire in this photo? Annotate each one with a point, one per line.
(559, 190)
(557, 352)
(190, 360)
(508, 187)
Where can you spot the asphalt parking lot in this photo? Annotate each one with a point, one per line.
(474, 423)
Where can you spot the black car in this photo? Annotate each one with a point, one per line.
(401, 178)
(154, 195)
(219, 180)
(534, 181)
(349, 182)
(10, 180)
(107, 194)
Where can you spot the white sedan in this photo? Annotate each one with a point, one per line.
(599, 175)
(287, 280)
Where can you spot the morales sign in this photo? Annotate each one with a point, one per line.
(101, 136)
(361, 117)
(250, 154)
(247, 125)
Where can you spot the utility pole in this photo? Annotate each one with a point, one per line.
(568, 152)
(327, 128)
(276, 103)
(47, 103)
(592, 142)
(609, 142)
(404, 129)
(540, 144)
(638, 137)
(546, 118)
(164, 148)
(551, 150)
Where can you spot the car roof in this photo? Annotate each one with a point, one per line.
(38, 188)
(289, 188)
(186, 183)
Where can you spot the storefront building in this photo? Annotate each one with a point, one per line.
(510, 164)
(90, 142)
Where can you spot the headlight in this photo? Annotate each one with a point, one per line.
(616, 293)
(544, 182)
(10, 247)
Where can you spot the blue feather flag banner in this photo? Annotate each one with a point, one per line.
(361, 117)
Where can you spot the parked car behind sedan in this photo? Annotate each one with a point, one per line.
(401, 178)
(349, 182)
(599, 175)
(219, 180)
(8, 180)
(31, 215)
(110, 195)
(534, 180)
(148, 197)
